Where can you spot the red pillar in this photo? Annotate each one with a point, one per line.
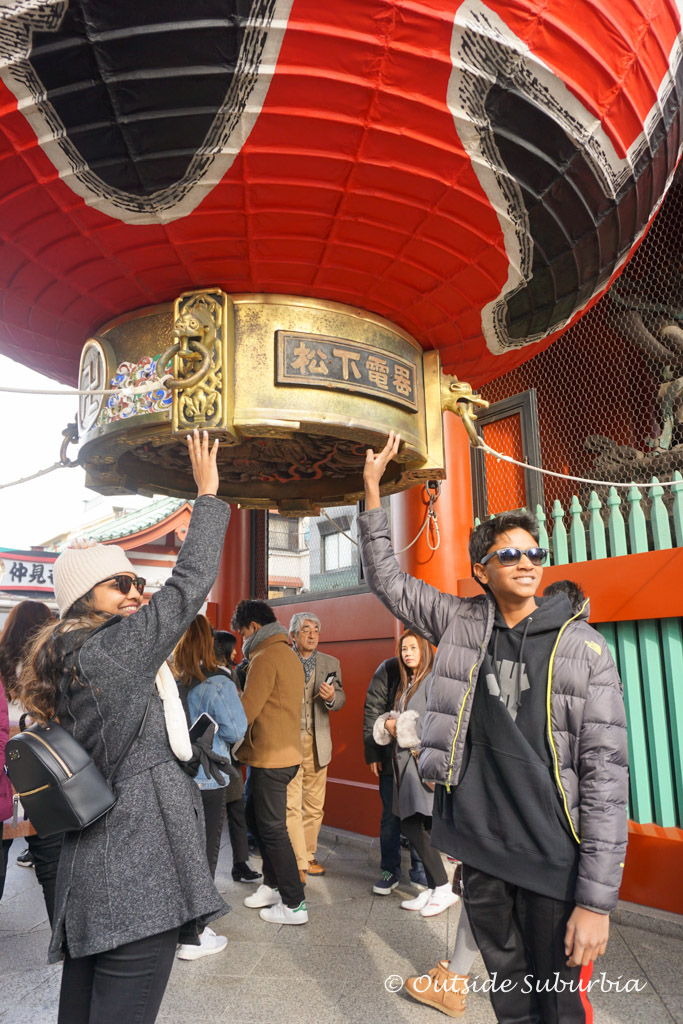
(234, 574)
(444, 567)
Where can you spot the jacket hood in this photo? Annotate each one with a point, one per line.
(551, 613)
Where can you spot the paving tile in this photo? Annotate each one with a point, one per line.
(664, 972)
(262, 1000)
(674, 1004)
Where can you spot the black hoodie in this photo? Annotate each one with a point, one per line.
(507, 812)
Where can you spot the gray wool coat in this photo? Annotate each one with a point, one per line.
(586, 723)
(411, 795)
(142, 868)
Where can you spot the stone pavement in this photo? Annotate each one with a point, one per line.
(333, 970)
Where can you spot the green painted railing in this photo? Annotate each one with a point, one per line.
(649, 656)
(648, 653)
(619, 526)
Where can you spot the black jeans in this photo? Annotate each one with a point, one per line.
(416, 829)
(237, 827)
(389, 828)
(267, 820)
(45, 853)
(123, 984)
(213, 801)
(520, 935)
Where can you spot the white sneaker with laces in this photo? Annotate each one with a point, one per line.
(263, 897)
(443, 897)
(209, 943)
(419, 902)
(282, 914)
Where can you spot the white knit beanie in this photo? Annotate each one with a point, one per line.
(81, 567)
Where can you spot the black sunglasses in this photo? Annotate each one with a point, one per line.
(124, 583)
(511, 556)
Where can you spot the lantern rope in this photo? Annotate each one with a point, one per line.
(566, 476)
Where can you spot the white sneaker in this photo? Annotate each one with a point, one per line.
(263, 897)
(280, 913)
(443, 897)
(209, 943)
(419, 902)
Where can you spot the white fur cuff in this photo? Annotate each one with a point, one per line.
(406, 729)
(379, 734)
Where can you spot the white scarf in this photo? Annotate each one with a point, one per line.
(174, 714)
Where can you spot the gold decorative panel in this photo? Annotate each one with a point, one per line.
(295, 388)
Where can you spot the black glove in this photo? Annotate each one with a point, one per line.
(204, 757)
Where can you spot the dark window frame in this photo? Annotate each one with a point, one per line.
(525, 405)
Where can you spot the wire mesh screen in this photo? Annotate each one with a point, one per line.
(314, 554)
(605, 401)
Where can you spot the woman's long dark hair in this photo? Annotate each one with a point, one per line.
(43, 665)
(410, 684)
(194, 657)
(21, 625)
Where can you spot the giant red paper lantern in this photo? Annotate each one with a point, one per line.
(476, 172)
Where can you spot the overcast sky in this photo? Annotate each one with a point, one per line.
(32, 436)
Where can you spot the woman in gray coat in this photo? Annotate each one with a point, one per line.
(413, 798)
(134, 882)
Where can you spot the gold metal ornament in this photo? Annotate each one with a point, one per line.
(295, 388)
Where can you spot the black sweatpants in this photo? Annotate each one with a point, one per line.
(125, 984)
(520, 935)
(267, 820)
(417, 830)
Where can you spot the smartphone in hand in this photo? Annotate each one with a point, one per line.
(200, 725)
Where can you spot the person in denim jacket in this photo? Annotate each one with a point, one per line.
(209, 690)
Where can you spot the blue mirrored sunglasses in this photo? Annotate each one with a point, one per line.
(511, 556)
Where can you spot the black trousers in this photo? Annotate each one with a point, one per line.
(237, 827)
(521, 938)
(417, 830)
(123, 984)
(213, 801)
(267, 820)
(45, 853)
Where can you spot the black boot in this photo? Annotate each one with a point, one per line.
(241, 872)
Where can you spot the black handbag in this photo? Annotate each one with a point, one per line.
(60, 787)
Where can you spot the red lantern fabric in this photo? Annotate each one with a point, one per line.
(475, 172)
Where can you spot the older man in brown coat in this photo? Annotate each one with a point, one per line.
(322, 693)
(272, 748)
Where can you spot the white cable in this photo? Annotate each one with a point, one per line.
(566, 476)
(133, 389)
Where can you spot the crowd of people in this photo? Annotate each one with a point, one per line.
(496, 734)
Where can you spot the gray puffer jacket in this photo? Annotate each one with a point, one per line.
(586, 725)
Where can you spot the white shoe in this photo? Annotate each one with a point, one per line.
(282, 914)
(443, 897)
(263, 897)
(419, 902)
(209, 943)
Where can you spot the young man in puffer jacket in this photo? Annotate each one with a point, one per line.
(525, 736)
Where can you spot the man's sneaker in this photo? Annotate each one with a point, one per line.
(419, 902)
(263, 897)
(282, 914)
(418, 877)
(241, 872)
(25, 859)
(442, 898)
(441, 989)
(386, 884)
(209, 943)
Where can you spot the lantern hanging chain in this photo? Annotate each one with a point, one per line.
(433, 489)
(34, 476)
(134, 389)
